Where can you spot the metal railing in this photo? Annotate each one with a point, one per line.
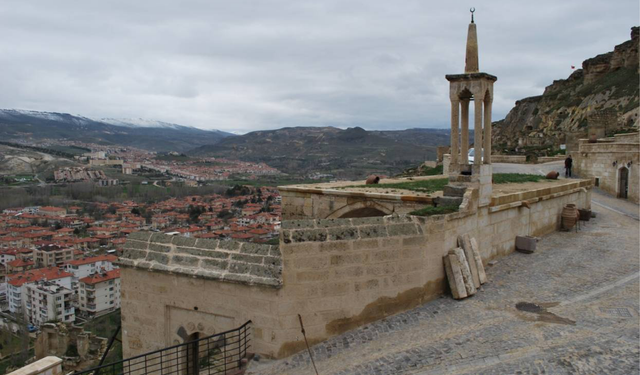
(221, 353)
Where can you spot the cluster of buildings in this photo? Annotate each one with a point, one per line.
(78, 174)
(58, 263)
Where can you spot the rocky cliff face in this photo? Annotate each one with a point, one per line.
(599, 99)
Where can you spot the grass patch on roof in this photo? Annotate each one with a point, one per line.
(431, 186)
(516, 178)
(422, 186)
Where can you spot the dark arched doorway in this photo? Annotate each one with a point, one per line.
(363, 212)
(623, 182)
(193, 354)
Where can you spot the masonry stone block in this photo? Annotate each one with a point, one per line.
(309, 235)
(298, 224)
(311, 262)
(159, 248)
(272, 261)
(334, 247)
(252, 248)
(402, 230)
(202, 252)
(229, 245)
(239, 267)
(348, 272)
(339, 260)
(161, 238)
(332, 223)
(263, 271)
(214, 263)
(464, 242)
(134, 254)
(205, 243)
(255, 259)
(157, 257)
(378, 220)
(466, 272)
(183, 241)
(341, 234)
(184, 260)
(372, 231)
(369, 244)
(133, 244)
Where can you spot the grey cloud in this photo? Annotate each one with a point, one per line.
(266, 64)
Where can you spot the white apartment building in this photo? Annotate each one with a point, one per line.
(99, 293)
(81, 268)
(17, 283)
(46, 301)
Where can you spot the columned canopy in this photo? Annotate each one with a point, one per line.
(463, 88)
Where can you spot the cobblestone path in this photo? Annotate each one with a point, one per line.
(586, 289)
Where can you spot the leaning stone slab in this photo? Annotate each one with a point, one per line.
(466, 273)
(478, 260)
(464, 242)
(456, 284)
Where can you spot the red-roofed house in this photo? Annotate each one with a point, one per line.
(81, 268)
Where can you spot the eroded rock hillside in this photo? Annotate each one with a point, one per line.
(599, 99)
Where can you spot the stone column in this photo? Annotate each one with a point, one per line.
(455, 123)
(464, 146)
(487, 130)
(477, 128)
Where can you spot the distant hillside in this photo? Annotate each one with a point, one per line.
(602, 96)
(350, 153)
(145, 134)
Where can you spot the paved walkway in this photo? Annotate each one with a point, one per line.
(570, 308)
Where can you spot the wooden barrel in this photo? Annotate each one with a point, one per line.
(570, 216)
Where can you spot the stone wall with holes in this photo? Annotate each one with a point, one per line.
(603, 163)
(337, 274)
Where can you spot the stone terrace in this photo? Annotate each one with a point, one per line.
(231, 261)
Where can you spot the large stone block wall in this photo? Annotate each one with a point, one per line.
(596, 160)
(336, 273)
(342, 273)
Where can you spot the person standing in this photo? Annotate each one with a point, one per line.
(568, 163)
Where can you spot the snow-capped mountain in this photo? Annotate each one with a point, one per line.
(142, 133)
(141, 123)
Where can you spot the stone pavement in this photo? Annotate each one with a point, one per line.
(578, 306)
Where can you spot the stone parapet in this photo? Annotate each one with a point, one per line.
(527, 195)
(231, 261)
(44, 366)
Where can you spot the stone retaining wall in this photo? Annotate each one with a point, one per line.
(336, 273)
(516, 159)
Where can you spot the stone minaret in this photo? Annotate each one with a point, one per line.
(464, 88)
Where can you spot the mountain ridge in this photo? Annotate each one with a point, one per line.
(146, 134)
(600, 99)
(343, 153)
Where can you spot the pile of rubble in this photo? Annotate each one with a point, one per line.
(464, 268)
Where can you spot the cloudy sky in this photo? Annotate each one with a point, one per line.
(246, 65)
